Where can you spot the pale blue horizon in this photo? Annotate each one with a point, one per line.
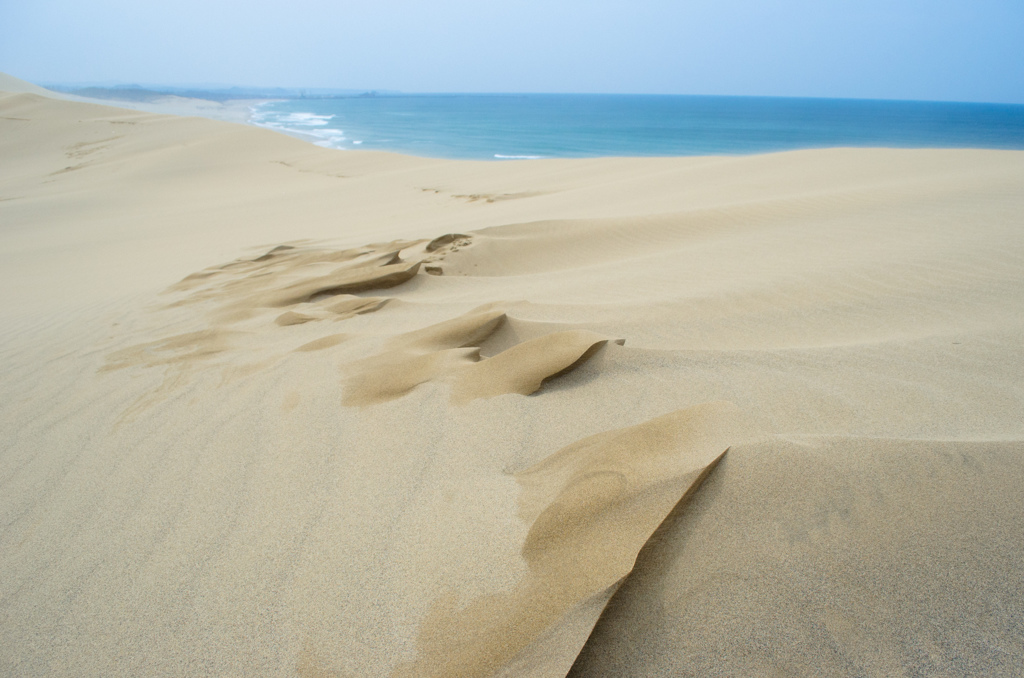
(944, 50)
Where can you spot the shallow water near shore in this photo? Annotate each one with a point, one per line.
(512, 126)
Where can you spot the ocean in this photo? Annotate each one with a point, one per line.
(512, 126)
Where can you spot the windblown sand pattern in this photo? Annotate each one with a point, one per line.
(319, 284)
(681, 416)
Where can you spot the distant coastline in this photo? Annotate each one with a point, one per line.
(533, 126)
(536, 126)
(152, 93)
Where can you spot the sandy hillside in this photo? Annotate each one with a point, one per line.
(276, 410)
(233, 110)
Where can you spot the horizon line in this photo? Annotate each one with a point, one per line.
(355, 92)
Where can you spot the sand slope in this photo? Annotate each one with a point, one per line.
(8, 83)
(874, 557)
(270, 409)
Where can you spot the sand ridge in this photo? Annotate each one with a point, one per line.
(322, 284)
(875, 552)
(591, 506)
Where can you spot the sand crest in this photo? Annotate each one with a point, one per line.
(876, 557)
(590, 508)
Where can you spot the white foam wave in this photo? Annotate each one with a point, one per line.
(306, 119)
(328, 138)
(257, 114)
(499, 156)
(311, 126)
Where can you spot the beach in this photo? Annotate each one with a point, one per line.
(275, 409)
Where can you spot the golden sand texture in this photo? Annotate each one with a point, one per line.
(874, 557)
(590, 508)
(270, 409)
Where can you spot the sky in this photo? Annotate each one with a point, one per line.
(947, 50)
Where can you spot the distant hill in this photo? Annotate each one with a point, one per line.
(117, 93)
(9, 83)
(152, 93)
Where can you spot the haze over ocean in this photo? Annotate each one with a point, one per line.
(566, 126)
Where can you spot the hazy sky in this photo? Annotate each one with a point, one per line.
(967, 50)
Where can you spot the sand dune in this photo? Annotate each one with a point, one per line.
(271, 409)
(8, 83)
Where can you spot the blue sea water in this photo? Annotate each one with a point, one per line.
(508, 126)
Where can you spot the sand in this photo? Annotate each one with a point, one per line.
(272, 409)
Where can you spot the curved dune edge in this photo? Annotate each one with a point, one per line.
(359, 279)
(309, 283)
(831, 555)
(525, 367)
(470, 329)
(312, 283)
(318, 286)
(450, 351)
(420, 356)
(290, 275)
(591, 507)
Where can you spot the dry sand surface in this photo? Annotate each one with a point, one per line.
(275, 410)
